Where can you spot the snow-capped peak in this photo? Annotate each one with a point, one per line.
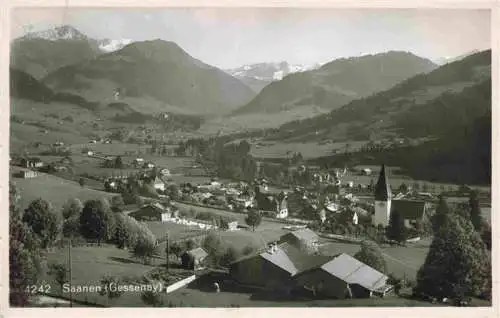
(269, 71)
(64, 32)
(108, 45)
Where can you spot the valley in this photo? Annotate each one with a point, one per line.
(142, 164)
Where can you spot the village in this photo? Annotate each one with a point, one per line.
(296, 244)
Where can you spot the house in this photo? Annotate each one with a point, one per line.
(301, 238)
(410, 210)
(244, 202)
(25, 174)
(158, 184)
(149, 212)
(138, 161)
(229, 225)
(275, 268)
(194, 259)
(344, 277)
(165, 172)
(32, 163)
(366, 171)
(169, 214)
(149, 165)
(90, 153)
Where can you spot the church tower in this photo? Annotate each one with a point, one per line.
(383, 196)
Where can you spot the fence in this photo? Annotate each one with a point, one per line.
(180, 284)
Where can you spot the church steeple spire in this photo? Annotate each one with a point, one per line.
(382, 189)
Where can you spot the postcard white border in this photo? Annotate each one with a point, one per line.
(240, 312)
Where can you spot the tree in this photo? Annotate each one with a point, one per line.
(109, 287)
(71, 227)
(457, 263)
(96, 220)
(403, 188)
(152, 299)
(175, 248)
(59, 272)
(72, 208)
(117, 202)
(119, 162)
(81, 182)
(371, 255)
(439, 217)
(253, 219)
(44, 223)
(249, 249)
(396, 230)
(230, 255)
(144, 249)
(173, 192)
(475, 211)
(24, 261)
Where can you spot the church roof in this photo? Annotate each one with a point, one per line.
(382, 189)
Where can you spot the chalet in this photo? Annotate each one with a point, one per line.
(25, 174)
(149, 212)
(194, 259)
(344, 277)
(410, 210)
(275, 268)
(272, 204)
(301, 238)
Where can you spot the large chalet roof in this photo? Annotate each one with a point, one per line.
(382, 188)
(352, 271)
(290, 259)
(409, 209)
(302, 234)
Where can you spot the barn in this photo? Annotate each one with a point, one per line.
(344, 277)
(275, 268)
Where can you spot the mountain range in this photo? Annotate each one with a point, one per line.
(259, 75)
(40, 53)
(425, 105)
(338, 82)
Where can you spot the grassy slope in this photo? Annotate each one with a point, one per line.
(55, 190)
(157, 69)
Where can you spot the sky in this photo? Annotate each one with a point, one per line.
(232, 37)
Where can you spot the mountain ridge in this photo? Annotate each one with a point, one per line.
(338, 82)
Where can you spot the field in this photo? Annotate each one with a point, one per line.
(90, 264)
(308, 150)
(403, 262)
(55, 190)
(175, 231)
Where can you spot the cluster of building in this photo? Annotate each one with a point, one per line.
(293, 264)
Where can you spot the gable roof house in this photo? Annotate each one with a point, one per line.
(301, 238)
(344, 277)
(275, 268)
(149, 212)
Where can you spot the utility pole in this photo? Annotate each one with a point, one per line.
(168, 253)
(69, 267)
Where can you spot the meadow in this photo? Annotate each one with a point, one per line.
(55, 190)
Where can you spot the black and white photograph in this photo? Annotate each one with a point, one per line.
(243, 157)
